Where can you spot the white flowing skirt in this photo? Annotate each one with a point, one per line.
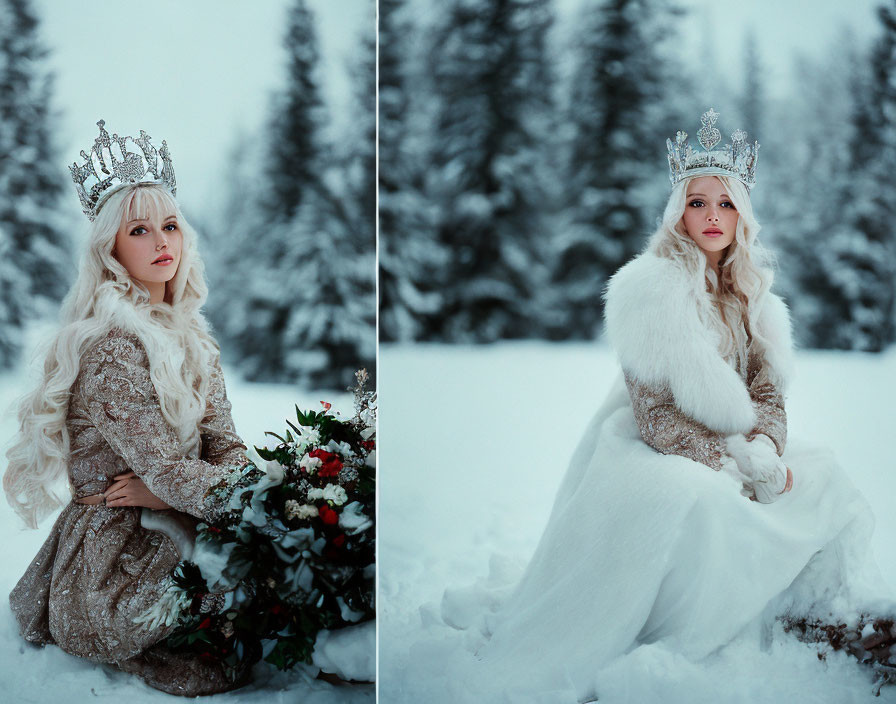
(643, 547)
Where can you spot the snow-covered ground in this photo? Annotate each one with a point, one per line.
(48, 675)
(473, 445)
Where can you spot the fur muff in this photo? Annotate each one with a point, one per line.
(652, 321)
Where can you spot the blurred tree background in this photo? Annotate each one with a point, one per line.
(35, 250)
(520, 167)
(294, 292)
(292, 284)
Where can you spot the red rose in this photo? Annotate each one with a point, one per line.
(330, 463)
(328, 515)
(327, 406)
(276, 609)
(339, 540)
(368, 445)
(205, 623)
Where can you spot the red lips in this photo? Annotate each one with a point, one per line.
(712, 231)
(164, 258)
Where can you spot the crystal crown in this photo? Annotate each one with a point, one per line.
(112, 170)
(737, 159)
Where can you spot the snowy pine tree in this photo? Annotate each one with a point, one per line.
(395, 321)
(836, 253)
(13, 280)
(409, 254)
(804, 159)
(33, 274)
(329, 322)
(491, 78)
(617, 117)
(753, 99)
(861, 263)
(302, 307)
(292, 166)
(362, 151)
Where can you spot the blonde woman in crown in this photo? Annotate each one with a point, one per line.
(686, 514)
(131, 408)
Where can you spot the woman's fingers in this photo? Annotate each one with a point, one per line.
(116, 494)
(115, 486)
(788, 483)
(130, 490)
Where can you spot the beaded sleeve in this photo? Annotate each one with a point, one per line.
(668, 430)
(122, 402)
(768, 402)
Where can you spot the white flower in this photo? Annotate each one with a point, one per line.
(307, 511)
(296, 510)
(331, 492)
(310, 464)
(335, 493)
(340, 448)
(310, 436)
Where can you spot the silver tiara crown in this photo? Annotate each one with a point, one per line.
(119, 169)
(736, 159)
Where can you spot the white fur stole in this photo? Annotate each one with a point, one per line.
(652, 322)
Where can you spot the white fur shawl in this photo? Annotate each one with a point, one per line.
(652, 322)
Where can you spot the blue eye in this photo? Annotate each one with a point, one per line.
(696, 203)
(134, 231)
(172, 225)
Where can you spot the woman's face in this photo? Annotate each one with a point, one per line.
(710, 217)
(149, 247)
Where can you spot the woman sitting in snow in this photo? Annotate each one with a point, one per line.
(651, 538)
(132, 408)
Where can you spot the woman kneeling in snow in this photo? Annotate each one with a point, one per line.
(644, 542)
(132, 408)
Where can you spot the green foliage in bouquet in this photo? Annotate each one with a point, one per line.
(293, 551)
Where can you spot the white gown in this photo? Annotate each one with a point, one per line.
(644, 547)
(632, 554)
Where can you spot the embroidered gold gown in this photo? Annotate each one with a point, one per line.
(100, 568)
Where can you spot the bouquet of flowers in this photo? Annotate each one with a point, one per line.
(293, 552)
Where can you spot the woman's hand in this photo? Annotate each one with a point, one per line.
(129, 490)
(756, 458)
(788, 485)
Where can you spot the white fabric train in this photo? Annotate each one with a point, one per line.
(643, 547)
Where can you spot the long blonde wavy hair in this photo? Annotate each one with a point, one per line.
(745, 269)
(104, 297)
